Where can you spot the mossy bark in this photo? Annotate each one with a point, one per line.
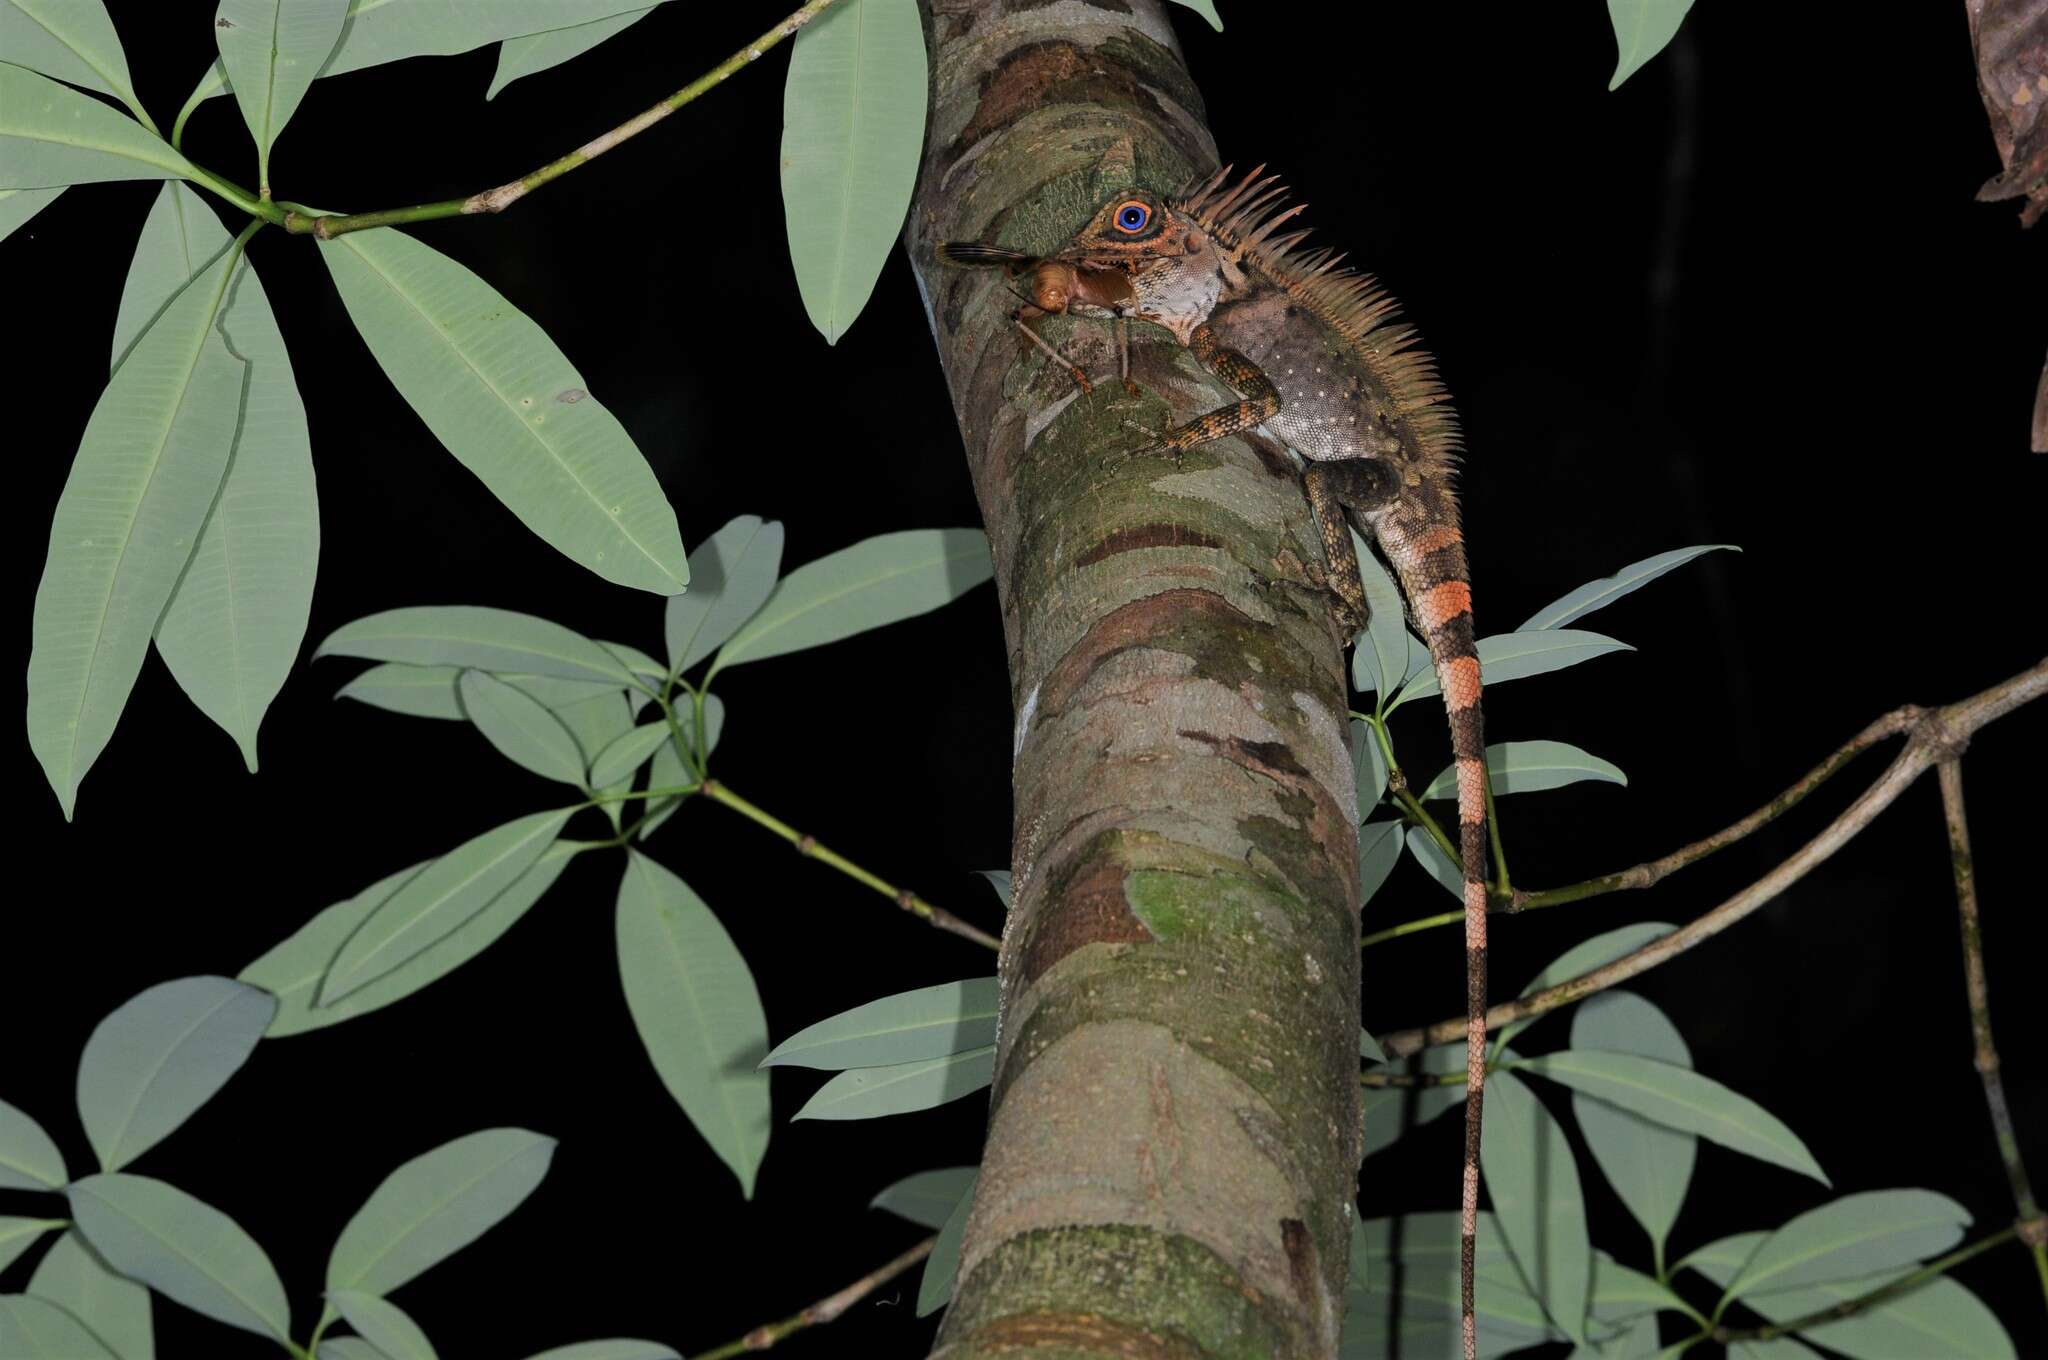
(1174, 1144)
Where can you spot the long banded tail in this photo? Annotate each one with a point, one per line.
(1429, 559)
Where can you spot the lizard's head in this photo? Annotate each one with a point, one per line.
(1173, 265)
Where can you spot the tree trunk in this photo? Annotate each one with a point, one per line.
(1174, 1143)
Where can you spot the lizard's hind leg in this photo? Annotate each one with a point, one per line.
(1358, 485)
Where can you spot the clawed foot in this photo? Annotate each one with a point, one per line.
(1154, 442)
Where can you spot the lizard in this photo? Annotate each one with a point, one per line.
(1321, 364)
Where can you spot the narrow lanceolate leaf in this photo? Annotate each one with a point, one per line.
(622, 1348)
(509, 405)
(1530, 767)
(668, 770)
(1620, 1293)
(877, 581)
(271, 50)
(1431, 857)
(999, 879)
(435, 1205)
(1379, 850)
(17, 206)
(144, 477)
(927, 1198)
(52, 136)
(537, 52)
(1680, 1099)
(383, 1324)
(1369, 1048)
(420, 691)
(1642, 29)
(495, 640)
(1605, 591)
(930, 1022)
(348, 1348)
(1368, 768)
(852, 130)
(521, 727)
(189, 1252)
(36, 1329)
(1207, 9)
(871, 1092)
(1532, 1179)
(626, 754)
(444, 896)
(231, 631)
(29, 1160)
(732, 573)
(68, 40)
(1406, 1306)
(596, 723)
(1379, 661)
(292, 971)
(160, 1056)
(698, 1013)
(17, 1235)
(1583, 958)
(1939, 1317)
(1852, 1236)
(1512, 656)
(74, 1277)
(1649, 1166)
(935, 1288)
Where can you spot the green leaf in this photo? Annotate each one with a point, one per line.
(72, 1276)
(1392, 1111)
(383, 1324)
(871, 1092)
(667, 770)
(435, 1205)
(1940, 1317)
(698, 1013)
(1605, 591)
(1379, 660)
(610, 1350)
(1417, 1255)
(68, 40)
(1512, 656)
(509, 405)
(160, 1056)
(1207, 9)
(1679, 1099)
(1649, 1166)
(1379, 850)
(292, 971)
(852, 132)
(189, 1252)
(1777, 1348)
(537, 52)
(1368, 768)
(35, 1329)
(595, 723)
(877, 581)
(1583, 958)
(1637, 1340)
(495, 640)
(1530, 767)
(1533, 1181)
(440, 900)
(1852, 1236)
(521, 727)
(271, 50)
(17, 206)
(349, 1348)
(29, 1160)
(1441, 866)
(930, 1022)
(17, 1235)
(999, 879)
(51, 136)
(1369, 1048)
(232, 629)
(145, 475)
(732, 574)
(419, 691)
(623, 756)
(929, 1197)
(1642, 29)
(935, 1289)
(1620, 1293)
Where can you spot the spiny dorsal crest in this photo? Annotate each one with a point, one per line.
(1244, 218)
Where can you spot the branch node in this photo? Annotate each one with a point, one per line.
(2034, 1231)
(807, 845)
(906, 899)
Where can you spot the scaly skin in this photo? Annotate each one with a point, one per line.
(1317, 363)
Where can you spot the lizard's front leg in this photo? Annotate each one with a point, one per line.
(1359, 486)
(1261, 398)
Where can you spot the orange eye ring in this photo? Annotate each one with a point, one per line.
(1132, 216)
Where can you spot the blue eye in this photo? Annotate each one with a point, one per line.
(1132, 216)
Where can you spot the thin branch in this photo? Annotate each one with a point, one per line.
(808, 847)
(1863, 1302)
(1934, 735)
(505, 195)
(824, 1310)
(2032, 1226)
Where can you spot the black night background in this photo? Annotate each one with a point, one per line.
(1748, 298)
